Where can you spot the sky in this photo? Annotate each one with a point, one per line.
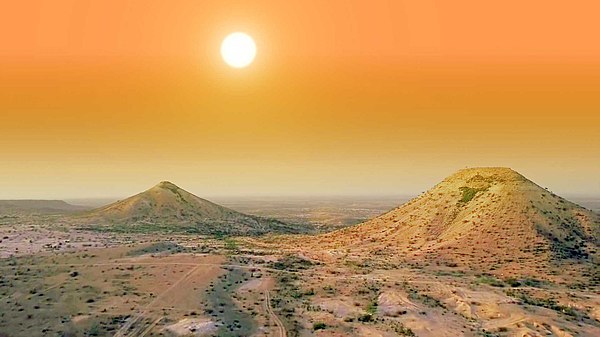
(107, 98)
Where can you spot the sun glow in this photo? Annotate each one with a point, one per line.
(238, 50)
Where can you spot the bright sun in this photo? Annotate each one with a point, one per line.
(238, 50)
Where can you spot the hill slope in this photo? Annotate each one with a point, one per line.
(38, 206)
(166, 207)
(486, 217)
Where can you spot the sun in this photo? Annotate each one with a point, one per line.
(238, 50)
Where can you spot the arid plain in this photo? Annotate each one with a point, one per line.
(486, 252)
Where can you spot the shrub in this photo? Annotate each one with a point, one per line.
(94, 330)
(319, 326)
(403, 330)
(365, 318)
(372, 308)
(513, 282)
(488, 279)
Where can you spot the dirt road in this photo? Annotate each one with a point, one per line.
(124, 331)
(281, 331)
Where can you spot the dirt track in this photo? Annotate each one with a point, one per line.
(282, 332)
(124, 329)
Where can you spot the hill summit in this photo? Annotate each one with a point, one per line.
(489, 216)
(167, 207)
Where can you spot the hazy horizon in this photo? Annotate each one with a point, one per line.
(100, 200)
(266, 202)
(120, 190)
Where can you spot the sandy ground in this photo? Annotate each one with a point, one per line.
(94, 284)
(192, 326)
(35, 240)
(75, 280)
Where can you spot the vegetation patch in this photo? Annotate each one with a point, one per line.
(425, 299)
(319, 326)
(155, 248)
(287, 300)
(230, 245)
(468, 193)
(403, 330)
(572, 246)
(216, 228)
(233, 321)
(525, 282)
(372, 308)
(147, 228)
(292, 263)
(490, 280)
(548, 303)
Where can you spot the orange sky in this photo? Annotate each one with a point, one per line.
(105, 98)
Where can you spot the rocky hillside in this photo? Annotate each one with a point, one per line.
(166, 207)
(480, 217)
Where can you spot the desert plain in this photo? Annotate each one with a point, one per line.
(484, 253)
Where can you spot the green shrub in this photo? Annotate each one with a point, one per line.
(372, 308)
(319, 326)
(230, 244)
(487, 279)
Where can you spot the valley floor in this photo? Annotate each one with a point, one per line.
(162, 285)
